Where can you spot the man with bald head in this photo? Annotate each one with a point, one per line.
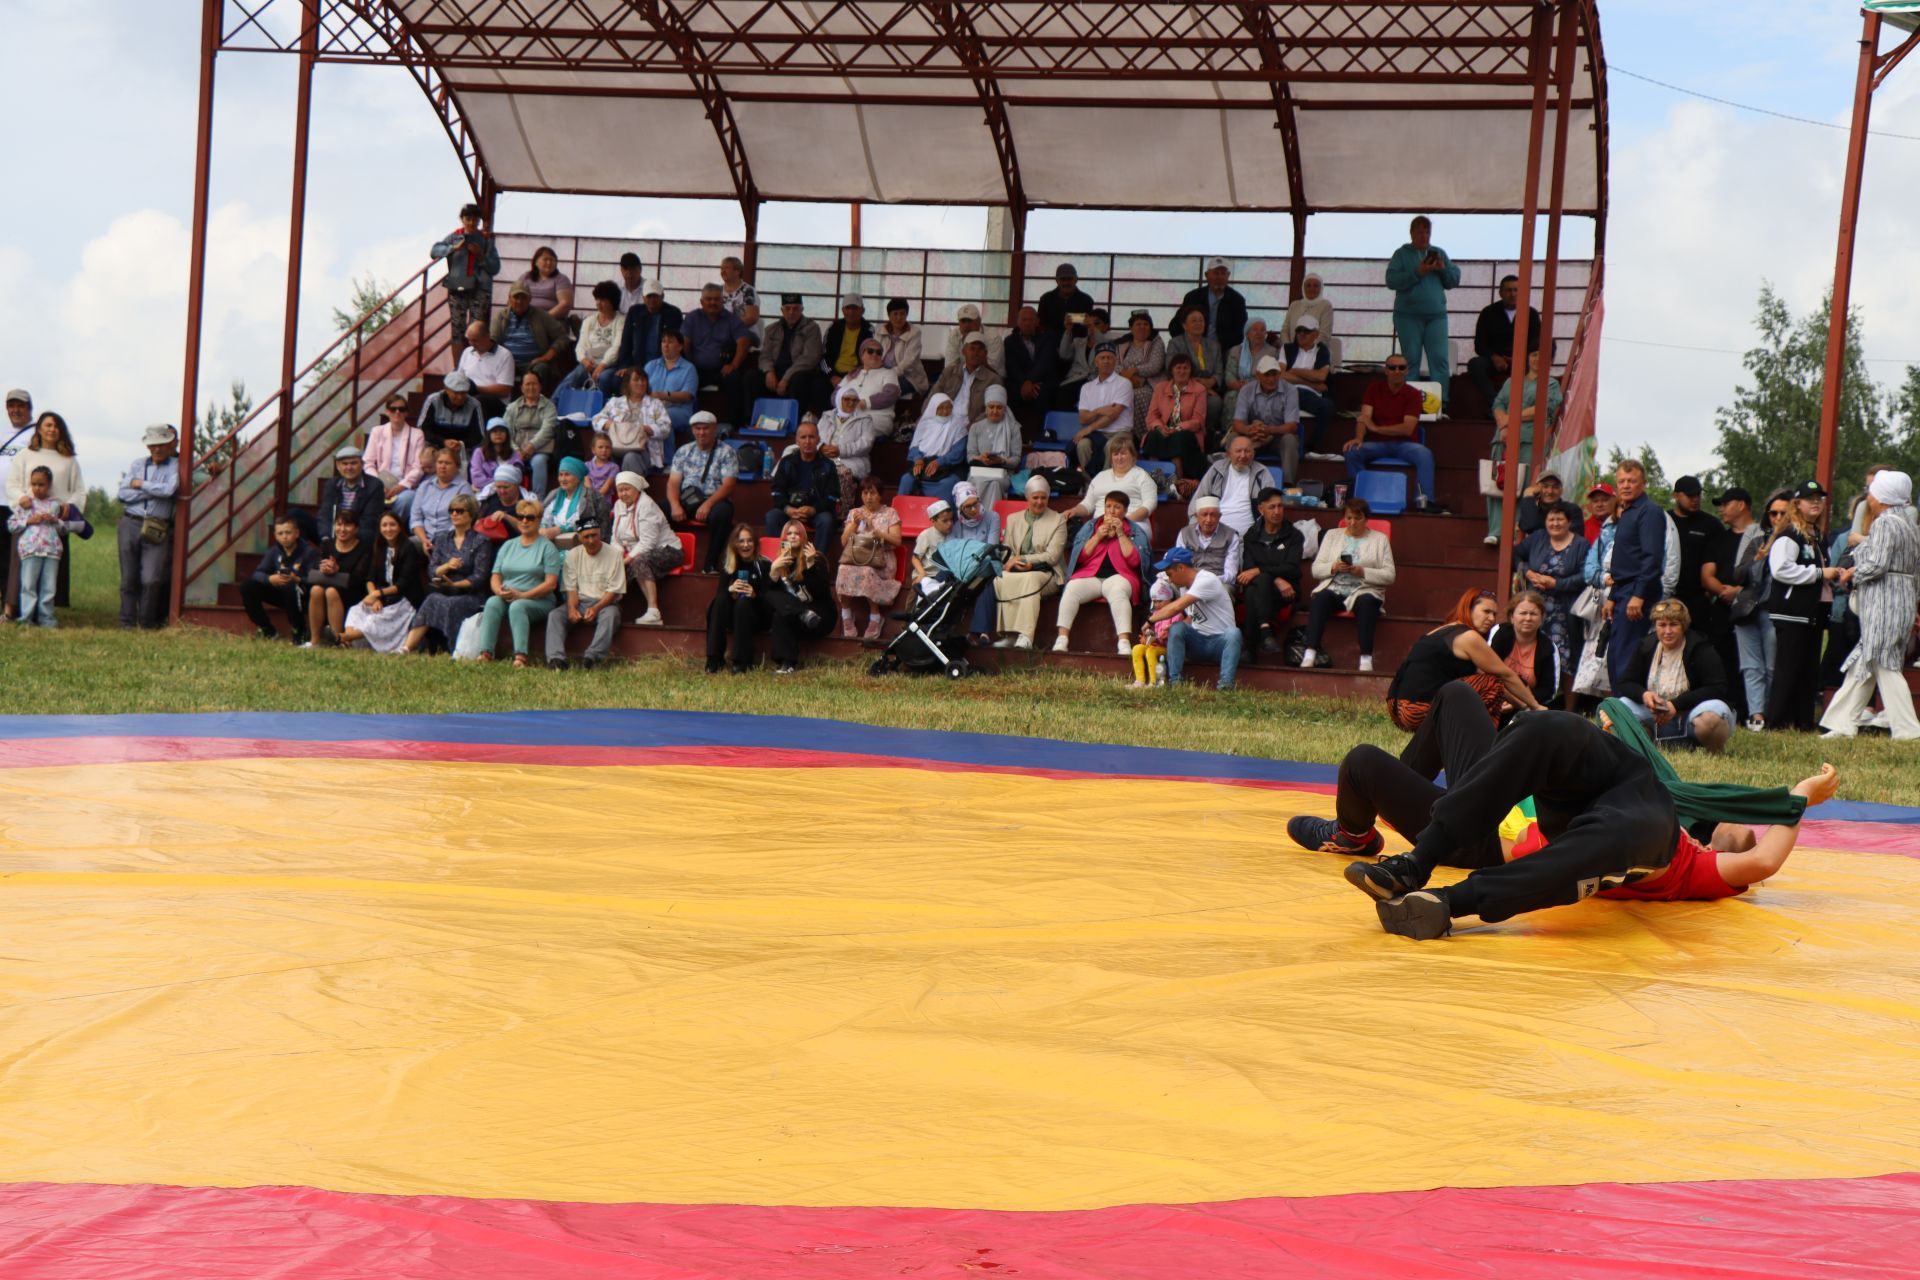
(489, 367)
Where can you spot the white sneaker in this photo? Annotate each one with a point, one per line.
(1326, 457)
(1138, 684)
(1124, 649)
(307, 645)
(1491, 540)
(1060, 644)
(651, 618)
(1307, 657)
(1004, 642)
(1366, 662)
(1023, 642)
(1756, 724)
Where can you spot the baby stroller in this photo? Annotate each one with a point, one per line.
(936, 635)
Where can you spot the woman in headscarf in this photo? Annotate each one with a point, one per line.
(847, 435)
(973, 518)
(936, 452)
(993, 448)
(639, 530)
(1037, 537)
(1141, 358)
(877, 386)
(1883, 580)
(571, 501)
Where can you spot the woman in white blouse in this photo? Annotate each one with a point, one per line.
(1142, 490)
(638, 426)
(877, 386)
(49, 445)
(599, 339)
(639, 530)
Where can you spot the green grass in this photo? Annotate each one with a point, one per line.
(89, 666)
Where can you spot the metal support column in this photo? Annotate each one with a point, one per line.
(750, 251)
(1564, 56)
(210, 11)
(1297, 273)
(1537, 59)
(296, 239)
(1017, 266)
(1843, 260)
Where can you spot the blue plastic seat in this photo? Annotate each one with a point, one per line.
(1385, 492)
(1162, 472)
(788, 411)
(1061, 425)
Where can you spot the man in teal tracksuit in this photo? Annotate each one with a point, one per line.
(1420, 275)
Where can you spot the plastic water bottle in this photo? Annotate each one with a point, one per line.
(1160, 669)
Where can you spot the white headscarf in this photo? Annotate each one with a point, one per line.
(935, 435)
(1892, 488)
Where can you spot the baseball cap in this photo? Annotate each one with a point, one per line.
(1216, 262)
(974, 340)
(1689, 485)
(161, 433)
(458, 382)
(1603, 488)
(1267, 365)
(19, 394)
(1308, 323)
(1735, 494)
(518, 290)
(852, 300)
(653, 289)
(1179, 555)
(969, 312)
(1811, 489)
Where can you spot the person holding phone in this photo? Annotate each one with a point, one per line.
(1351, 572)
(1420, 274)
(739, 609)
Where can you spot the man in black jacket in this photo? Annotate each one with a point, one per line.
(1064, 300)
(1492, 362)
(352, 489)
(1033, 368)
(1225, 307)
(640, 337)
(1269, 579)
(806, 486)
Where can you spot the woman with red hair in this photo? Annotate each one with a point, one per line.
(1451, 684)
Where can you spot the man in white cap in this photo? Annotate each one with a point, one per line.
(1268, 413)
(146, 533)
(1215, 546)
(965, 323)
(452, 415)
(967, 380)
(700, 484)
(1306, 363)
(1224, 305)
(1883, 578)
(352, 489)
(647, 319)
(593, 578)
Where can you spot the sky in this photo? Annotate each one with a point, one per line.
(1708, 202)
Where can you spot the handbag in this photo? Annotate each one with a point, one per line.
(155, 531)
(865, 550)
(1588, 605)
(493, 527)
(1493, 479)
(338, 581)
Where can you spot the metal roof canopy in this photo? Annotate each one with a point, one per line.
(1338, 106)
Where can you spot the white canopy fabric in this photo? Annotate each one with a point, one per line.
(1299, 106)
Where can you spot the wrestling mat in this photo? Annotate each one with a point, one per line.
(629, 994)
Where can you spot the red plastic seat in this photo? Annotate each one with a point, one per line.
(912, 510)
(1008, 507)
(687, 544)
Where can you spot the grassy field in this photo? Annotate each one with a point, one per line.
(89, 666)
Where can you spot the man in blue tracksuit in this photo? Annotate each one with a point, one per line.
(1420, 274)
(1639, 558)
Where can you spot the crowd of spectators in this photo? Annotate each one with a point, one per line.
(494, 511)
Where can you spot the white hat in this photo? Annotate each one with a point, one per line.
(1308, 323)
(1206, 504)
(969, 312)
(19, 394)
(653, 289)
(939, 508)
(852, 300)
(457, 382)
(974, 340)
(703, 416)
(1267, 365)
(633, 478)
(1893, 488)
(161, 433)
(1038, 484)
(1216, 262)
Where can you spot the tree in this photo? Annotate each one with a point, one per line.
(218, 424)
(1769, 435)
(369, 300)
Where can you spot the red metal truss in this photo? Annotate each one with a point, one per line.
(668, 19)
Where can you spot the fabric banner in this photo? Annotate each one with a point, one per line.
(1574, 444)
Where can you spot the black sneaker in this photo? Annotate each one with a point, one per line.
(268, 633)
(1323, 835)
(1269, 643)
(300, 637)
(1321, 660)
(588, 664)
(1387, 878)
(1421, 915)
(556, 664)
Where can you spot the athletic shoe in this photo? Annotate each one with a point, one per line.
(651, 618)
(1004, 642)
(1122, 648)
(556, 664)
(1366, 662)
(1326, 457)
(1421, 915)
(1023, 642)
(1323, 835)
(1060, 645)
(784, 671)
(1491, 540)
(1387, 878)
(1757, 724)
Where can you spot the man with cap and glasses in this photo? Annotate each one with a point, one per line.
(453, 415)
(647, 320)
(352, 489)
(146, 530)
(790, 353)
(1066, 300)
(535, 338)
(1699, 535)
(1388, 427)
(19, 420)
(718, 344)
(966, 322)
(840, 348)
(1224, 305)
(593, 578)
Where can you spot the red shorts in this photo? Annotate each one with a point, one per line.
(1692, 876)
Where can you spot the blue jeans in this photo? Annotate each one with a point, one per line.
(1427, 335)
(1678, 729)
(540, 474)
(825, 525)
(577, 380)
(39, 576)
(1317, 409)
(1754, 639)
(1183, 640)
(402, 505)
(1406, 450)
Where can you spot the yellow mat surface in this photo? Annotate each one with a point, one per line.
(885, 987)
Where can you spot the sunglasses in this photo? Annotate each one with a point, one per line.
(1485, 595)
(1395, 368)
(522, 515)
(1777, 512)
